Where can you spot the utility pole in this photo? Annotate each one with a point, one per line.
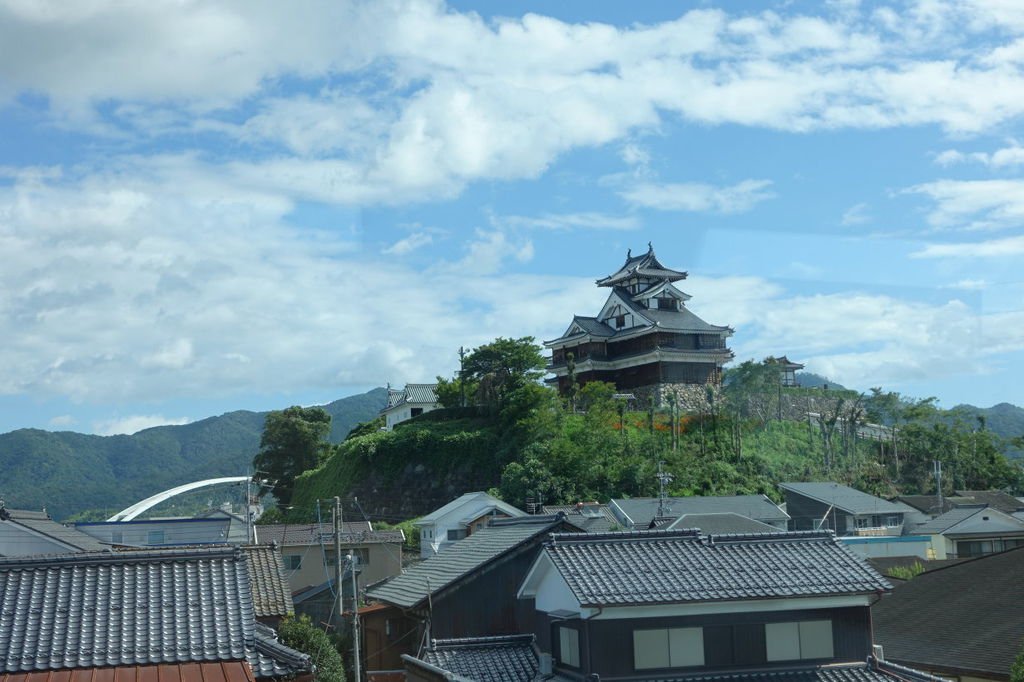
(938, 484)
(663, 478)
(356, 664)
(462, 377)
(248, 510)
(337, 557)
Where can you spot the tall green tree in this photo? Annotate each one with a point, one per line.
(500, 367)
(293, 441)
(300, 634)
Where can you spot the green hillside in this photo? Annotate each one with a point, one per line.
(538, 448)
(70, 472)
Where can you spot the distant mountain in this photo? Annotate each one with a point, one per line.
(812, 380)
(70, 472)
(1004, 419)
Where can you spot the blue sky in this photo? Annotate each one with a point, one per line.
(215, 206)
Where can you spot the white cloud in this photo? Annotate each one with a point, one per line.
(856, 215)
(968, 285)
(699, 197)
(1012, 155)
(135, 423)
(590, 220)
(974, 204)
(62, 421)
(993, 248)
(409, 244)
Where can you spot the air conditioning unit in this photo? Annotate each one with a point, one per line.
(544, 662)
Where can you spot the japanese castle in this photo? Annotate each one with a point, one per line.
(644, 337)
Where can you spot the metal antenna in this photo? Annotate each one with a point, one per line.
(663, 478)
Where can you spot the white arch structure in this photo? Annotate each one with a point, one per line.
(139, 507)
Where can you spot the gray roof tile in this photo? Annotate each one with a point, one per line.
(720, 523)
(40, 522)
(441, 570)
(271, 594)
(660, 567)
(129, 608)
(302, 534)
(486, 659)
(642, 509)
(967, 616)
(844, 497)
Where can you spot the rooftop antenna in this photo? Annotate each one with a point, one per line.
(663, 478)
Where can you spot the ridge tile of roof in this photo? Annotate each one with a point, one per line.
(463, 557)
(301, 534)
(675, 566)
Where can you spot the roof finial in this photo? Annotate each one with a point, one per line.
(650, 247)
(629, 253)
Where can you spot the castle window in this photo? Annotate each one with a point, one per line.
(620, 321)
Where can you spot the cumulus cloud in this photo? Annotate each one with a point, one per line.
(134, 424)
(974, 204)
(992, 248)
(1012, 155)
(587, 220)
(699, 197)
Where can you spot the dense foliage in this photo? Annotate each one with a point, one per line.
(300, 634)
(531, 445)
(294, 440)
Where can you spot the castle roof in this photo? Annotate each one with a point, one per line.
(646, 265)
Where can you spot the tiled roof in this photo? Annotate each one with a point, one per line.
(965, 617)
(461, 558)
(929, 504)
(661, 567)
(843, 497)
(945, 522)
(468, 500)
(412, 393)
(642, 509)
(486, 659)
(855, 672)
(592, 518)
(271, 595)
(40, 522)
(96, 610)
(726, 522)
(223, 671)
(646, 265)
(302, 534)
(997, 499)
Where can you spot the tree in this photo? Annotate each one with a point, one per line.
(293, 441)
(299, 634)
(500, 367)
(1017, 669)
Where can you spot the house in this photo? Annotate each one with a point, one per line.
(27, 533)
(971, 531)
(320, 602)
(929, 504)
(459, 519)
(168, 532)
(678, 604)
(591, 517)
(644, 340)
(406, 403)
(962, 621)
(271, 595)
(840, 508)
(307, 550)
(640, 512)
(468, 590)
(501, 659)
(184, 615)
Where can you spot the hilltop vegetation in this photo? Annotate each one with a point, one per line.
(70, 473)
(524, 442)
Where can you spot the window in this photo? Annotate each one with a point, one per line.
(667, 304)
(893, 520)
(569, 647)
(620, 321)
(293, 562)
(808, 639)
(456, 534)
(863, 522)
(155, 537)
(668, 648)
(117, 537)
(416, 411)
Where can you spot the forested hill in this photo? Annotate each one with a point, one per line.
(70, 472)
